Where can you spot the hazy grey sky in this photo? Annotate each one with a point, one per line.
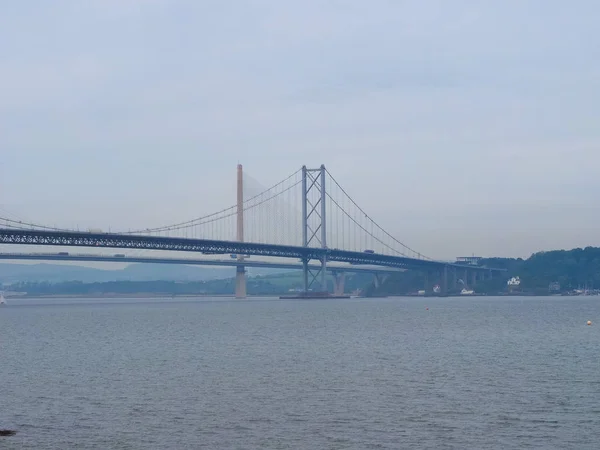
(462, 126)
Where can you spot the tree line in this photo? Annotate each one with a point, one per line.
(564, 269)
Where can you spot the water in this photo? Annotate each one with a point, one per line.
(469, 373)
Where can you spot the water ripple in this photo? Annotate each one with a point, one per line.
(479, 373)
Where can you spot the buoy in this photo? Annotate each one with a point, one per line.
(589, 322)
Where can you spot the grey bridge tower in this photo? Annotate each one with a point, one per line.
(314, 223)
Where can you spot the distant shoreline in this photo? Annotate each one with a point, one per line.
(173, 296)
(116, 295)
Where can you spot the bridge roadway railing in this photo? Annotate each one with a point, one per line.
(112, 240)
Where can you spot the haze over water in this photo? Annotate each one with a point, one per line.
(469, 373)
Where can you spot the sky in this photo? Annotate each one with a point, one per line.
(462, 127)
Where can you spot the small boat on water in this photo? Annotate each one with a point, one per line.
(2, 299)
(466, 291)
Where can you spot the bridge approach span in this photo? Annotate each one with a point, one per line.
(189, 261)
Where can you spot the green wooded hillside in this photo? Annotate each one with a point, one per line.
(571, 269)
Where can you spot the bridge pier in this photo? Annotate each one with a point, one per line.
(444, 283)
(339, 279)
(324, 274)
(305, 273)
(240, 272)
(379, 279)
(431, 279)
(240, 282)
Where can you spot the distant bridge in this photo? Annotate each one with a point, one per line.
(189, 261)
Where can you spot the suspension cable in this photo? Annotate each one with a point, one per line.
(21, 225)
(193, 222)
(361, 227)
(419, 255)
(231, 214)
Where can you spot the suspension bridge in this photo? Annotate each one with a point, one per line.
(308, 216)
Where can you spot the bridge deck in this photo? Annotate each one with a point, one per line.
(141, 242)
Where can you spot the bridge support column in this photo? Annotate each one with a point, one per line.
(454, 279)
(339, 279)
(240, 273)
(305, 274)
(466, 282)
(379, 279)
(240, 282)
(427, 287)
(444, 282)
(473, 279)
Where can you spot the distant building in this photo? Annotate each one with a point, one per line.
(514, 283)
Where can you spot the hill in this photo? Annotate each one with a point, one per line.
(566, 270)
(556, 271)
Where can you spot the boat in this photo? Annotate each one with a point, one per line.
(2, 300)
(466, 291)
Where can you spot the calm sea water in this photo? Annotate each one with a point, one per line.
(479, 373)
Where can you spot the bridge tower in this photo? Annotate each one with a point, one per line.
(240, 271)
(314, 222)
